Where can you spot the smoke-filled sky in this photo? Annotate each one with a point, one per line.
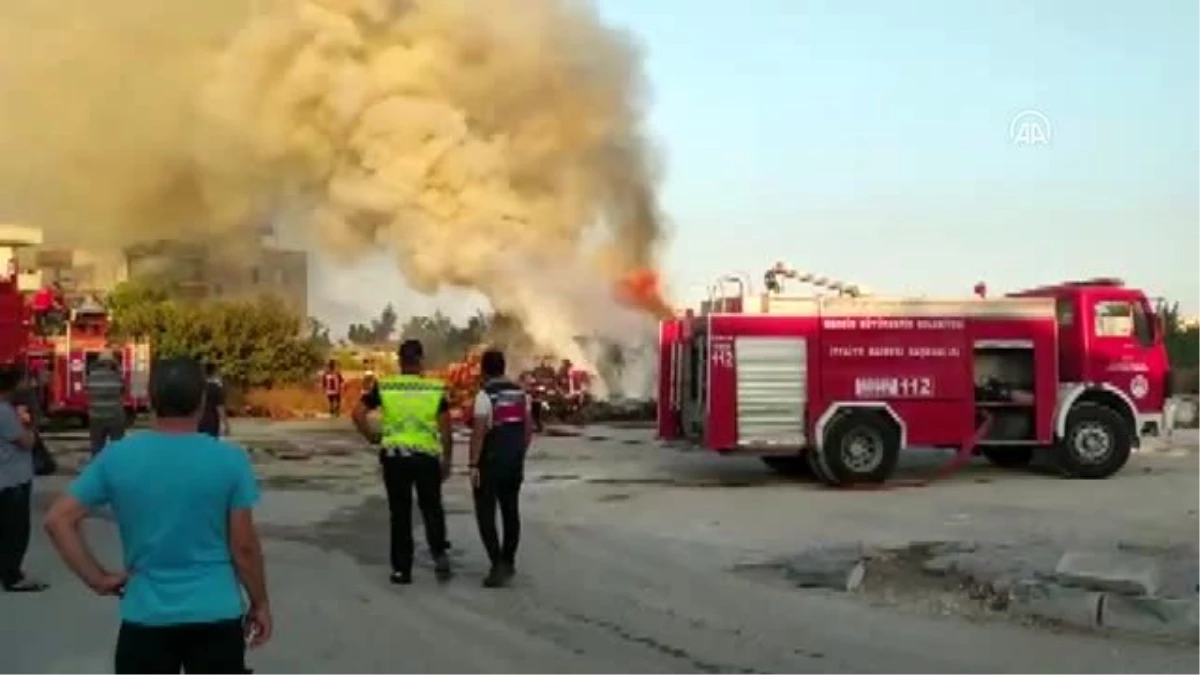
(498, 151)
(867, 140)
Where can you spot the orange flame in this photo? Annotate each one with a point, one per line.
(641, 289)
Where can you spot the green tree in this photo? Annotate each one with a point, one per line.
(384, 327)
(379, 331)
(360, 334)
(1183, 344)
(436, 334)
(257, 343)
(318, 333)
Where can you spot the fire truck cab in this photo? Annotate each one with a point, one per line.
(840, 383)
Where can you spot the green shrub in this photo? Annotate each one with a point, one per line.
(256, 343)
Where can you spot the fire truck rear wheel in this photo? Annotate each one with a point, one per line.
(861, 447)
(1097, 444)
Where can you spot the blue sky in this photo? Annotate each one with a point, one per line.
(868, 140)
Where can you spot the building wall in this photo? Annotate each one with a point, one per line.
(201, 274)
(79, 271)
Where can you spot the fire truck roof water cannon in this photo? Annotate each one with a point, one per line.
(59, 347)
(837, 384)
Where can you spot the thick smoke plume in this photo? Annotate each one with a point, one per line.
(489, 145)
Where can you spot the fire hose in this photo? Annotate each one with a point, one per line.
(956, 463)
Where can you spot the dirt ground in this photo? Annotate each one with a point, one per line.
(633, 559)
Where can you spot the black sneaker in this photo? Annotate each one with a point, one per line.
(495, 577)
(441, 567)
(401, 578)
(23, 584)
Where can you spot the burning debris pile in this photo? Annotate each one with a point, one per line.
(568, 386)
(561, 391)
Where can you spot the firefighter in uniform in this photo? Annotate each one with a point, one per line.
(415, 450)
(500, 437)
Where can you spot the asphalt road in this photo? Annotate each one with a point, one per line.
(600, 589)
(588, 600)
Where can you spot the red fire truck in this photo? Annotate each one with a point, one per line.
(60, 361)
(838, 384)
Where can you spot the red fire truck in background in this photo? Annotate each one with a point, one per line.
(60, 360)
(839, 384)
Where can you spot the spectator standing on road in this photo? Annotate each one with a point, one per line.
(332, 383)
(500, 437)
(106, 409)
(28, 401)
(182, 502)
(16, 486)
(416, 450)
(214, 419)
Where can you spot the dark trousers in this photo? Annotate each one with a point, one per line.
(217, 647)
(14, 531)
(44, 463)
(335, 404)
(102, 431)
(535, 410)
(400, 476)
(499, 489)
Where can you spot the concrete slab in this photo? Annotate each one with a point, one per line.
(1165, 617)
(1109, 571)
(839, 569)
(1071, 606)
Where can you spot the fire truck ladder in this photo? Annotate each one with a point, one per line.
(773, 276)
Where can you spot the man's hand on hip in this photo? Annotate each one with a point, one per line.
(110, 583)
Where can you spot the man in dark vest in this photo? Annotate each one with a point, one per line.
(500, 437)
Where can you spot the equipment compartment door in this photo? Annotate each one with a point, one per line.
(772, 391)
(694, 386)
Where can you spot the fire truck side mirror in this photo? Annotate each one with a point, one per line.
(1159, 327)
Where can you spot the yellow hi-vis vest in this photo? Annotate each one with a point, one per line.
(409, 413)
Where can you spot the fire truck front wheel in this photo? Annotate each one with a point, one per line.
(1097, 444)
(861, 447)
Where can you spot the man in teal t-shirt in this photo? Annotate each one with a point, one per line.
(182, 502)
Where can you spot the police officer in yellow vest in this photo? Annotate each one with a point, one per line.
(415, 449)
